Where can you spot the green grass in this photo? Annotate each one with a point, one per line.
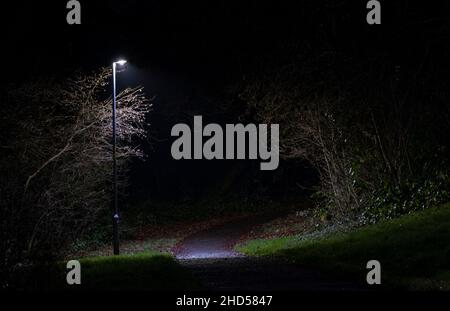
(414, 250)
(142, 271)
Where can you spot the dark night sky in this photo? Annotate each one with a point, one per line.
(188, 51)
(204, 43)
(200, 40)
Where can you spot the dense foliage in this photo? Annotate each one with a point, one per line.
(373, 122)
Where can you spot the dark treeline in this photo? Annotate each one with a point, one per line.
(364, 105)
(367, 107)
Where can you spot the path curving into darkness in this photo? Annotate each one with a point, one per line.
(217, 242)
(210, 257)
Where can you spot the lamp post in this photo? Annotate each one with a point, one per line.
(115, 204)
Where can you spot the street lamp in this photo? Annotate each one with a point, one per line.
(116, 206)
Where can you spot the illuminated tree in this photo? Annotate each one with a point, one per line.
(57, 159)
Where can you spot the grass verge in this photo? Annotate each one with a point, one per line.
(143, 271)
(414, 250)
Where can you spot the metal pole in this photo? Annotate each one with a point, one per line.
(116, 206)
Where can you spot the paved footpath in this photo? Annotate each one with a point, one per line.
(209, 255)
